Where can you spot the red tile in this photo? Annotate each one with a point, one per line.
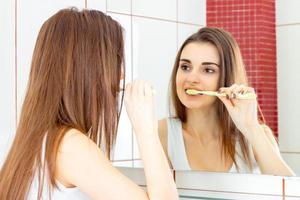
(252, 23)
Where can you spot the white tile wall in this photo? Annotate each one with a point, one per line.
(7, 76)
(155, 43)
(184, 31)
(288, 42)
(153, 52)
(192, 11)
(97, 4)
(123, 6)
(293, 160)
(153, 56)
(292, 186)
(287, 11)
(155, 8)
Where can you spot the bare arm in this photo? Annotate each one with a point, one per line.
(267, 153)
(139, 101)
(244, 115)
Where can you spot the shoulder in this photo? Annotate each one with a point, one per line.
(76, 154)
(81, 163)
(74, 140)
(77, 147)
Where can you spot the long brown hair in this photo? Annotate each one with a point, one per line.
(232, 71)
(74, 83)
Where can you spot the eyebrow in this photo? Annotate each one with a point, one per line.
(210, 63)
(203, 63)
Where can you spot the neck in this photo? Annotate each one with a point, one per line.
(203, 124)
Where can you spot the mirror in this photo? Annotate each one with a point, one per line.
(266, 48)
(153, 34)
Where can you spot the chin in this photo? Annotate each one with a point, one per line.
(198, 104)
(193, 105)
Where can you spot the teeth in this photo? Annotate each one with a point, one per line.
(192, 92)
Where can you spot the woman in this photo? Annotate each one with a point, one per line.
(216, 133)
(71, 108)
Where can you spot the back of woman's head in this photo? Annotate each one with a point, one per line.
(74, 83)
(76, 68)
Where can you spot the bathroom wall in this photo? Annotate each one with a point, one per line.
(153, 31)
(288, 73)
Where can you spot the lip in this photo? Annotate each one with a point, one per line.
(191, 88)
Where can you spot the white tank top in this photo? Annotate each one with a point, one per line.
(178, 157)
(60, 193)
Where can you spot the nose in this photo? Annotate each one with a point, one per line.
(193, 77)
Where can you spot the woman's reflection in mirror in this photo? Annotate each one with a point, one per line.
(216, 133)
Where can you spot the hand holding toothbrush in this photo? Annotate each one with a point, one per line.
(241, 104)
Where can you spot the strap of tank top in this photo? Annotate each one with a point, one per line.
(176, 147)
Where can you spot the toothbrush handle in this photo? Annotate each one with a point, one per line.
(246, 96)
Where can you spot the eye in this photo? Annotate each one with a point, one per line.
(185, 67)
(209, 70)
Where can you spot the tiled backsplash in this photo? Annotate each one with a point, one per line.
(154, 30)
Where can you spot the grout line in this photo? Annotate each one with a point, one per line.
(16, 67)
(233, 192)
(127, 160)
(290, 152)
(290, 24)
(283, 189)
(177, 27)
(131, 50)
(155, 18)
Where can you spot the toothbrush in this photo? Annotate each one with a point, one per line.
(246, 96)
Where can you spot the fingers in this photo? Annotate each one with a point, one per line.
(226, 100)
(148, 89)
(139, 88)
(234, 90)
(229, 91)
(231, 99)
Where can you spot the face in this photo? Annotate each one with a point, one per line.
(198, 69)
